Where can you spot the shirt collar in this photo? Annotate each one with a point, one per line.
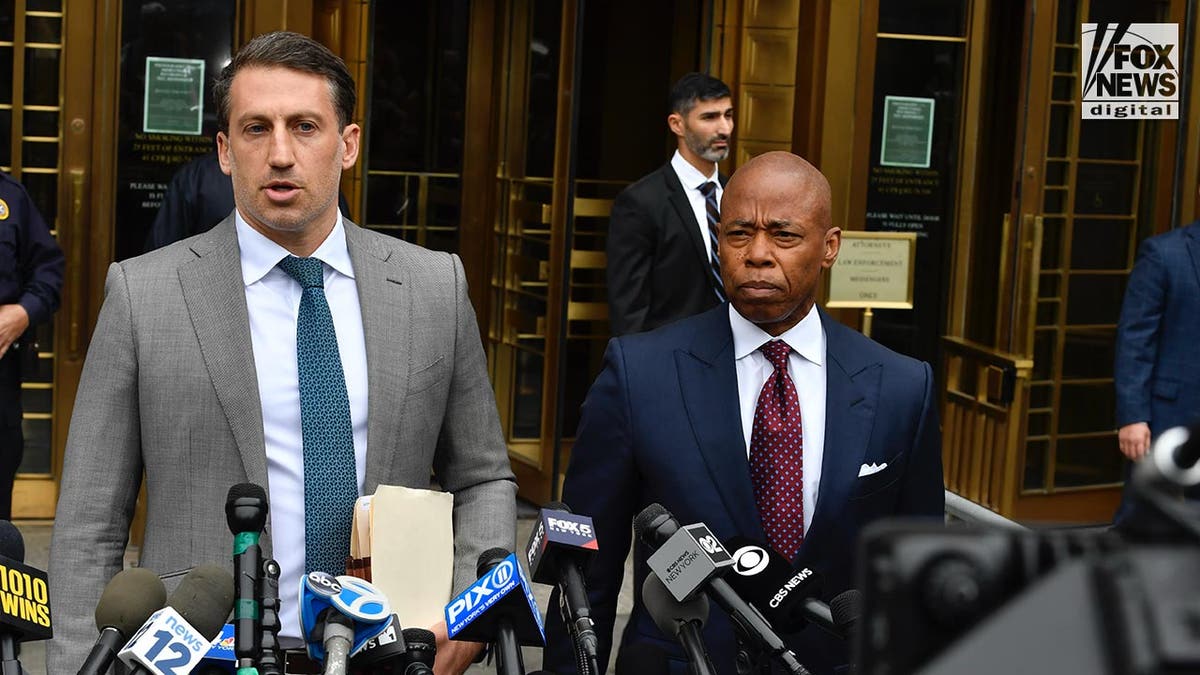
(260, 255)
(690, 176)
(806, 338)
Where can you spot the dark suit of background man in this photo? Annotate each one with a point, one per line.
(1157, 369)
(677, 417)
(31, 276)
(287, 347)
(660, 250)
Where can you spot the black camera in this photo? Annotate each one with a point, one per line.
(966, 599)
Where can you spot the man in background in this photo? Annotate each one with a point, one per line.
(31, 276)
(1157, 364)
(661, 249)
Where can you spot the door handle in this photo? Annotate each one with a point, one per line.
(76, 264)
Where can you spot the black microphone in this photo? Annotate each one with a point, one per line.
(25, 610)
(657, 528)
(421, 647)
(127, 601)
(846, 607)
(560, 548)
(509, 660)
(176, 638)
(681, 620)
(788, 597)
(246, 513)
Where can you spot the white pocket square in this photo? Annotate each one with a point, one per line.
(870, 469)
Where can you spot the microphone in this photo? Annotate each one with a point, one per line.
(177, 637)
(24, 599)
(681, 620)
(787, 597)
(339, 615)
(560, 548)
(246, 513)
(846, 607)
(498, 607)
(127, 601)
(421, 649)
(686, 565)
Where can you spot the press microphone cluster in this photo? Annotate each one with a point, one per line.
(690, 560)
(561, 546)
(24, 599)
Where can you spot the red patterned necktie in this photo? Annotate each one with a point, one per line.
(777, 457)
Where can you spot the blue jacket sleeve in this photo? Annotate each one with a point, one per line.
(1138, 332)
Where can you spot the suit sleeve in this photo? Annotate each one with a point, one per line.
(41, 263)
(1138, 332)
(600, 483)
(471, 461)
(630, 258)
(102, 471)
(923, 491)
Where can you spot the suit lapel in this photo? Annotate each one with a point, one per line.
(851, 398)
(216, 302)
(708, 380)
(386, 306)
(683, 208)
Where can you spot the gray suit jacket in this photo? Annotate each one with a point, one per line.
(169, 388)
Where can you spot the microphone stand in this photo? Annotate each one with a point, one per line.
(270, 661)
(9, 665)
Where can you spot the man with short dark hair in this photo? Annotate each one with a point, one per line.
(764, 418)
(661, 249)
(285, 347)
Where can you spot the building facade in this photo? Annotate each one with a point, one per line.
(502, 129)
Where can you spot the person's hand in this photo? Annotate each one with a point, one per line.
(1134, 440)
(453, 656)
(13, 322)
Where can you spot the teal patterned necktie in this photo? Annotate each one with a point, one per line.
(330, 479)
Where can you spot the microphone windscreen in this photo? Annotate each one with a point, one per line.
(557, 506)
(489, 559)
(649, 524)
(129, 599)
(205, 598)
(12, 544)
(419, 636)
(246, 508)
(668, 612)
(846, 607)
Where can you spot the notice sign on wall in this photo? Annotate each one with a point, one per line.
(873, 269)
(907, 131)
(174, 96)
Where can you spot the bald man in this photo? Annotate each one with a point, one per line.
(762, 417)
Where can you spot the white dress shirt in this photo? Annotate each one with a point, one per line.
(806, 366)
(692, 179)
(273, 301)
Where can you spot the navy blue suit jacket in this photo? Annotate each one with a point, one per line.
(661, 424)
(1157, 370)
